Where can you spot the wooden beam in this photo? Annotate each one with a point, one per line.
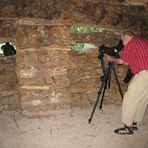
(51, 47)
(37, 21)
(35, 87)
(115, 2)
(135, 2)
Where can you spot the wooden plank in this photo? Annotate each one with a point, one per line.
(40, 22)
(41, 48)
(35, 87)
(135, 2)
(8, 19)
(115, 2)
(37, 21)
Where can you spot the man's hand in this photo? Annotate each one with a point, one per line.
(109, 58)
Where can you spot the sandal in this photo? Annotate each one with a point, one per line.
(134, 126)
(124, 130)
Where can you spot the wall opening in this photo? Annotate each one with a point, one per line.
(81, 47)
(3, 43)
(84, 47)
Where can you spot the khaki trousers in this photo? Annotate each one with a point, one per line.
(136, 99)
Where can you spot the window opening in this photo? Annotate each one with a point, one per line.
(1, 44)
(84, 47)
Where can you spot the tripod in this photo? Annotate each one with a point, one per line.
(105, 80)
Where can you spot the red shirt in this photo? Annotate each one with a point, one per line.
(135, 54)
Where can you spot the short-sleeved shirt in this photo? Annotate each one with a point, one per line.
(135, 54)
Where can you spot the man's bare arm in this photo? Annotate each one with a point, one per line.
(116, 60)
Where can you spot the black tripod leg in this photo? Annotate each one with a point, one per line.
(119, 87)
(105, 86)
(103, 66)
(109, 76)
(99, 93)
(101, 55)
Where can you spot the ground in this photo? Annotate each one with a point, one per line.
(70, 130)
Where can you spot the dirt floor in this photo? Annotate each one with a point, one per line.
(70, 130)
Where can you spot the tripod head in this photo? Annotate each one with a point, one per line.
(112, 51)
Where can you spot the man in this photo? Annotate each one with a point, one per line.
(135, 54)
(8, 49)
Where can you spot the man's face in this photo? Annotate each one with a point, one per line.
(126, 38)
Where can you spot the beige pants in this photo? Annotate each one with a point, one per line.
(136, 99)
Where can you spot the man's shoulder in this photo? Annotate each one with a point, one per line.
(138, 40)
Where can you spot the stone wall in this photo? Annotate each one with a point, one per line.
(43, 78)
(9, 94)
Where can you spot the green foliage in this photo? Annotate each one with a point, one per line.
(78, 47)
(84, 29)
(84, 47)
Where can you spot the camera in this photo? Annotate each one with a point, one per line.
(112, 51)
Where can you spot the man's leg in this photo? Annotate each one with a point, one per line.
(137, 89)
(143, 101)
(135, 98)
